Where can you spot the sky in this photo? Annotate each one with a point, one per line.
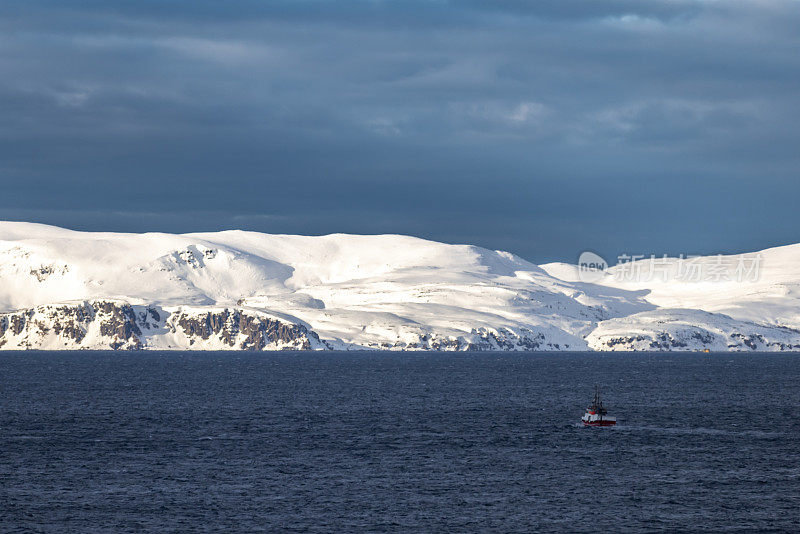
(544, 128)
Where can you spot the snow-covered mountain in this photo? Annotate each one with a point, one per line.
(61, 289)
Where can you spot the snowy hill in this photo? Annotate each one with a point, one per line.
(244, 290)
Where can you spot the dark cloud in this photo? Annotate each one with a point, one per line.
(541, 127)
(383, 13)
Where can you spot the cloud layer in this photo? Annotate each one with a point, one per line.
(541, 127)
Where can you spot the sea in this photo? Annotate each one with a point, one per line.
(397, 442)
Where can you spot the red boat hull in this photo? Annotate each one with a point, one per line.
(600, 423)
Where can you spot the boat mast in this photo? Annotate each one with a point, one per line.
(597, 404)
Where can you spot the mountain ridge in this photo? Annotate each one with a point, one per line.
(237, 289)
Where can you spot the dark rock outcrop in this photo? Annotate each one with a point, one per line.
(238, 329)
(106, 324)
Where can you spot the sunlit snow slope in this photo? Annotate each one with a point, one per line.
(244, 290)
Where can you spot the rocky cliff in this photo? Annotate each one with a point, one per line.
(107, 324)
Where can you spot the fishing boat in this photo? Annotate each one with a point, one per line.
(596, 414)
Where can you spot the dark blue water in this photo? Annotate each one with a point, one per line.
(97, 442)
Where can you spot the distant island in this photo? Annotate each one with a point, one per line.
(66, 290)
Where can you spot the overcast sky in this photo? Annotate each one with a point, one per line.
(545, 127)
